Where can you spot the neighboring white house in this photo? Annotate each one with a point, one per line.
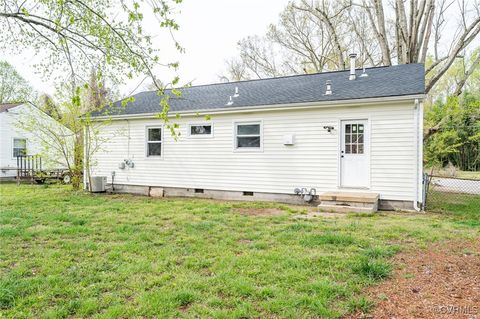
(15, 141)
(343, 131)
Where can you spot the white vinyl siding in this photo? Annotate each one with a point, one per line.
(12, 136)
(313, 161)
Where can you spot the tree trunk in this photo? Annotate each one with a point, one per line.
(77, 161)
(378, 26)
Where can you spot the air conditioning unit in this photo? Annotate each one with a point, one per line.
(99, 184)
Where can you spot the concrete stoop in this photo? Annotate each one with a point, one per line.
(344, 202)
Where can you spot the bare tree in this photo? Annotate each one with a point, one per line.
(236, 69)
(468, 71)
(468, 31)
(320, 32)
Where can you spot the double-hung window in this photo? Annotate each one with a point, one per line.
(19, 147)
(248, 136)
(154, 141)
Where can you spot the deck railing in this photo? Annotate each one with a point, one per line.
(28, 166)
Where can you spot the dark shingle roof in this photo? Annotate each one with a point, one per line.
(406, 79)
(4, 107)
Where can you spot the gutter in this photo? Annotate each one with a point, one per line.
(261, 108)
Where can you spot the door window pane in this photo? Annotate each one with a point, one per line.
(360, 138)
(354, 138)
(360, 149)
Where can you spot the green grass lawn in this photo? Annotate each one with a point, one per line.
(77, 255)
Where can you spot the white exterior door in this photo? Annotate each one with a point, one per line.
(354, 154)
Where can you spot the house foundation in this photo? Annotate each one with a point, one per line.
(156, 191)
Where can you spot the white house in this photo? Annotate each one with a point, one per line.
(348, 132)
(15, 141)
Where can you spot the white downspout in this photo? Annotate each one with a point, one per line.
(418, 150)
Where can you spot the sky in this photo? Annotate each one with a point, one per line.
(209, 32)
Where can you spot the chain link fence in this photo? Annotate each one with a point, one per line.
(439, 189)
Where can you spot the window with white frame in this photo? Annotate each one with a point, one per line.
(200, 130)
(248, 135)
(19, 147)
(154, 141)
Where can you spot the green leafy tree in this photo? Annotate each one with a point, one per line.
(13, 87)
(76, 36)
(458, 139)
(71, 139)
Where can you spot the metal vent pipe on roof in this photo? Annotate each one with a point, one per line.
(230, 101)
(328, 87)
(353, 57)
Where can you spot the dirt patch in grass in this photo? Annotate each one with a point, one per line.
(315, 214)
(259, 211)
(442, 281)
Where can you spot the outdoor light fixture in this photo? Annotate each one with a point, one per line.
(329, 128)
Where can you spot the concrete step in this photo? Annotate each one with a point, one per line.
(345, 209)
(345, 202)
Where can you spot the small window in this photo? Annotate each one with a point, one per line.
(200, 130)
(154, 141)
(354, 136)
(19, 147)
(248, 136)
